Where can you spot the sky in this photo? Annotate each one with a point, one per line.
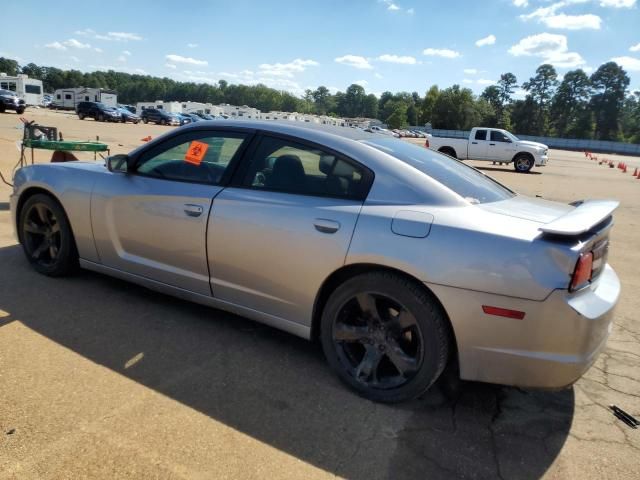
(395, 45)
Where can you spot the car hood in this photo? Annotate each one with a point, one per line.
(534, 209)
(527, 143)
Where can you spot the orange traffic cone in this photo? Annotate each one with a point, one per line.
(635, 172)
(146, 139)
(624, 169)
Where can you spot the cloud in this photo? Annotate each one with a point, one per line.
(550, 17)
(488, 40)
(99, 50)
(573, 22)
(484, 81)
(286, 69)
(628, 63)
(394, 7)
(192, 45)
(180, 59)
(126, 52)
(377, 75)
(402, 59)
(124, 36)
(74, 59)
(552, 48)
(362, 83)
(122, 58)
(470, 71)
(73, 43)
(635, 48)
(85, 32)
(617, 3)
(440, 52)
(520, 3)
(170, 65)
(355, 61)
(55, 46)
(466, 80)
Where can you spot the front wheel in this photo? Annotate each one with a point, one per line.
(101, 117)
(145, 120)
(81, 116)
(20, 110)
(385, 336)
(46, 236)
(163, 122)
(523, 163)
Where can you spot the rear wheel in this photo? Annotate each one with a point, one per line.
(523, 163)
(46, 236)
(385, 337)
(81, 116)
(101, 117)
(448, 151)
(20, 110)
(163, 122)
(145, 120)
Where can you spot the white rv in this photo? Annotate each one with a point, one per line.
(68, 98)
(27, 89)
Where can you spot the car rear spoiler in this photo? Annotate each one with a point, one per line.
(583, 218)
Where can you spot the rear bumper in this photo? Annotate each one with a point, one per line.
(551, 347)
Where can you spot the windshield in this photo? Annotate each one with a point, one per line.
(474, 186)
(511, 136)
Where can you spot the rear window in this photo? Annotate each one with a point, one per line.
(469, 183)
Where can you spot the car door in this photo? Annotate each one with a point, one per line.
(500, 147)
(152, 220)
(478, 145)
(284, 226)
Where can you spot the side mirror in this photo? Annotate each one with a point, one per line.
(118, 163)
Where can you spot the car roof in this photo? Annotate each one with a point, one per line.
(310, 131)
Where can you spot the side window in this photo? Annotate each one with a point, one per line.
(67, 96)
(286, 166)
(201, 159)
(498, 136)
(481, 135)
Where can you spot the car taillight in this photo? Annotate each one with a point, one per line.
(426, 144)
(582, 273)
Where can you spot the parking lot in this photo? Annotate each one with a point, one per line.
(104, 379)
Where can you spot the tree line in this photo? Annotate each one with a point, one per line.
(598, 106)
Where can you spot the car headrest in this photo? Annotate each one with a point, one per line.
(326, 163)
(287, 172)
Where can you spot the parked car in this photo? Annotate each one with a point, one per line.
(193, 117)
(182, 118)
(382, 131)
(127, 116)
(205, 116)
(398, 259)
(159, 117)
(98, 111)
(10, 101)
(493, 144)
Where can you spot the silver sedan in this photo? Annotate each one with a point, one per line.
(398, 259)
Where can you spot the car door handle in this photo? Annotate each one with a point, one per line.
(326, 226)
(492, 144)
(193, 210)
(475, 143)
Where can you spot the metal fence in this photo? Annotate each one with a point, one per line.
(599, 146)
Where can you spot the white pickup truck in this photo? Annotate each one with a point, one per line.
(493, 145)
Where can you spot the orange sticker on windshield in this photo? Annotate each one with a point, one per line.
(196, 152)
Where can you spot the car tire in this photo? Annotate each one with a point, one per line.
(385, 336)
(20, 110)
(145, 121)
(2, 108)
(448, 151)
(81, 116)
(163, 122)
(46, 237)
(101, 117)
(523, 163)
(135, 122)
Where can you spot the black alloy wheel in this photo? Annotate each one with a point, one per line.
(378, 341)
(46, 236)
(385, 336)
